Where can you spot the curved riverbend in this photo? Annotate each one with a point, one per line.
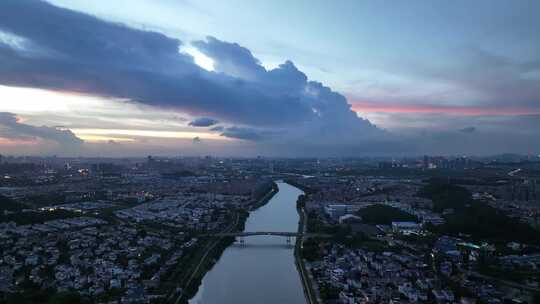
(263, 269)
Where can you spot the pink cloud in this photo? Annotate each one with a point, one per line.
(378, 107)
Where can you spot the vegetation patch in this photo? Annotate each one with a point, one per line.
(384, 215)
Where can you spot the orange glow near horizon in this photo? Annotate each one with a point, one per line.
(367, 107)
(16, 142)
(114, 134)
(99, 138)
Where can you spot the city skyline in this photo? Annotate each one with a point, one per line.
(268, 78)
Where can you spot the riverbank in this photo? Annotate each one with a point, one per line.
(309, 293)
(210, 252)
(266, 198)
(294, 183)
(207, 256)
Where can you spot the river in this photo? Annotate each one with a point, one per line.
(262, 270)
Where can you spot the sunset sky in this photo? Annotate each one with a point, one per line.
(274, 78)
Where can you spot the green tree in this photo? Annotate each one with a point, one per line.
(65, 298)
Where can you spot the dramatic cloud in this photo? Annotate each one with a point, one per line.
(84, 54)
(468, 130)
(231, 59)
(67, 51)
(12, 128)
(203, 122)
(243, 133)
(217, 128)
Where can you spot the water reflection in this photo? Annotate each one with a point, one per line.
(262, 269)
(277, 246)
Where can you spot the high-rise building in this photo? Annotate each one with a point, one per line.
(426, 162)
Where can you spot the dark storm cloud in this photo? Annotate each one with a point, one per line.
(235, 60)
(468, 130)
(217, 128)
(203, 122)
(231, 58)
(84, 54)
(73, 52)
(243, 133)
(11, 128)
(331, 120)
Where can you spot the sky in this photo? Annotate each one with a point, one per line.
(271, 78)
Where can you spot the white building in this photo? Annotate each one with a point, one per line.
(406, 227)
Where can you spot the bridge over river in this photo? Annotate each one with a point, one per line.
(264, 270)
(272, 233)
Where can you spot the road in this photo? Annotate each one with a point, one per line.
(514, 172)
(306, 281)
(208, 249)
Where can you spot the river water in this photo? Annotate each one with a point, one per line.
(262, 270)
